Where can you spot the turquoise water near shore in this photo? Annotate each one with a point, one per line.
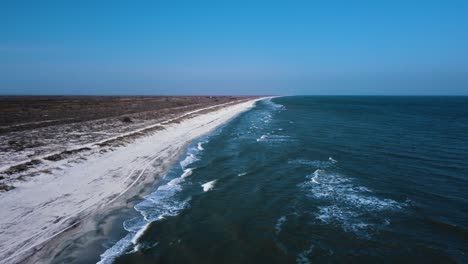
(306, 179)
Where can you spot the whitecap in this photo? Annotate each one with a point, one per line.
(349, 219)
(191, 158)
(273, 105)
(315, 176)
(187, 172)
(279, 224)
(351, 206)
(155, 206)
(140, 233)
(116, 250)
(242, 174)
(199, 146)
(162, 203)
(208, 186)
(274, 138)
(134, 224)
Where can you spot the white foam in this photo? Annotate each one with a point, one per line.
(175, 182)
(274, 138)
(315, 176)
(156, 206)
(161, 204)
(140, 233)
(349, 219)
(351, 206)
(332, 160)
(242, 174)
(191, 158)
(274, 105)
(199, 146)
(116, 250)
(187, 172)
(208, 186)
(279, 224)
(134, 224)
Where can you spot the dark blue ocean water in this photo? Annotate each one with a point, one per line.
(314, 180)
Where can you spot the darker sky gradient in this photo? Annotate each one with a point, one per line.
(234, 47)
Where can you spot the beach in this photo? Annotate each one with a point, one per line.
(54, 192)
(291, 179)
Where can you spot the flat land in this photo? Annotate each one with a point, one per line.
(18, 113)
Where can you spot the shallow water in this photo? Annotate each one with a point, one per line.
(314, 180)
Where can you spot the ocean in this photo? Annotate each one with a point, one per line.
(313, 179)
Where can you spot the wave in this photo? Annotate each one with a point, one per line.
(193, 152)
(273, 105)
(140, 233)
(351, 206)
(191, 158)
(279, 224)
(158, 205)
(267, 118)
(208, 186)
(315, 176)
(134, 225)
(199, 146)
(187, 172)
(116, 250)
(274, 138)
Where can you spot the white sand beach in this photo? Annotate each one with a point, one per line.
(46, 206)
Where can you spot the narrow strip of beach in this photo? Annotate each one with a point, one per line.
(46, 207)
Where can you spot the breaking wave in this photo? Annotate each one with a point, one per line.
(158, 205)
(191, 158)
(342, 202)
(200, 146)
(273, 105)
(279, 224)
(208, 186)
(274, 138)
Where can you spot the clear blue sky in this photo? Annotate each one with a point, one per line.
(235, 47)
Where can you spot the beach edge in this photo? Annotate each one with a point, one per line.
(37, 249)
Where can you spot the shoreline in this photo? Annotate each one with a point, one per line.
(44, 209)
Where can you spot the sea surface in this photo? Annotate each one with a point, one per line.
(313, 180)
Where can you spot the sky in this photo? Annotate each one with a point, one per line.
(239, 47)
